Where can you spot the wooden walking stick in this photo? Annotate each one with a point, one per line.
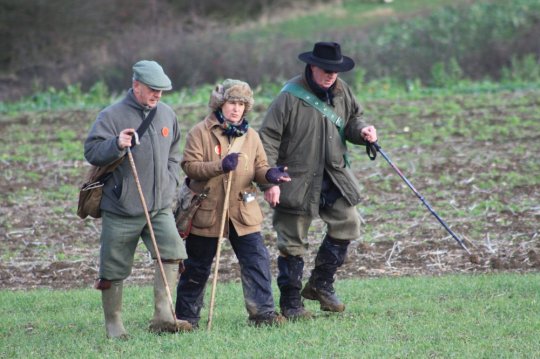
(218, 254)
(150, 228)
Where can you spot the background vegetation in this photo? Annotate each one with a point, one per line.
(60, 43)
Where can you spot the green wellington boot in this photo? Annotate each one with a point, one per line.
(111, 299)
(164, 321)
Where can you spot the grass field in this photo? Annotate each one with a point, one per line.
(484, 316)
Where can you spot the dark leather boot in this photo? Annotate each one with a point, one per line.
(320, 286)
(289, 282)
(270, 319)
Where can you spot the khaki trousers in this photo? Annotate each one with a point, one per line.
(342, 220)
(120, 236)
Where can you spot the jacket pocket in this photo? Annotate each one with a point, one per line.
(126, 190)
(250, 213)
(206, 215)
(117, 190)
(294, 194)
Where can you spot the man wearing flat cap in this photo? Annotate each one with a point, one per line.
(157, 158)
(306, 128)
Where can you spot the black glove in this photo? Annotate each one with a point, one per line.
(273, 174)
(230, 162)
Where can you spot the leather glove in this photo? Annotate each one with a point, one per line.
(230, 162)
(274, 174)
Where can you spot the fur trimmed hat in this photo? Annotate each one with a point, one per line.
(231, 90)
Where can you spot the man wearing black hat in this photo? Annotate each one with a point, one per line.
(157, 159)
(306, 128)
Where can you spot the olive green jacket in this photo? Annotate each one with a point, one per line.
(297, 135)
(205, 147)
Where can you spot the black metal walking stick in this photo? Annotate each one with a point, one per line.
(372, 149)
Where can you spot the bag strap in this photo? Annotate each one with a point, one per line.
(327, 112)
(300, 92)
(144, 125)
(102, 174)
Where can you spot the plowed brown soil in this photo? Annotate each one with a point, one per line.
(43, 244)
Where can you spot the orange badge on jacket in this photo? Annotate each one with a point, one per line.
(165, 131)
(218, 150)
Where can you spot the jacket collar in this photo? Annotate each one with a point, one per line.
(337, 90)
(211, 121)
(131, 101)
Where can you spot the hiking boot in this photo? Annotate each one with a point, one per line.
(269, 318)
(320, 286)
(296, 313)
(326, 297)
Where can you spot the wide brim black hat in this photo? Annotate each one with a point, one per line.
(327, 56)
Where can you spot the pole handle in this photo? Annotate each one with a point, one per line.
(371, 150)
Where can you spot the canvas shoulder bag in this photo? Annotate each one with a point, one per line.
(91, 191)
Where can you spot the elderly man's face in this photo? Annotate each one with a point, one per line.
(145, 95)
(323, 78)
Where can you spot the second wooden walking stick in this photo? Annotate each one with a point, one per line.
(224, 216)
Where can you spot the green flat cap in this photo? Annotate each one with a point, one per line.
(151, 74)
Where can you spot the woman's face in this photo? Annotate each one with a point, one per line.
(233, 110)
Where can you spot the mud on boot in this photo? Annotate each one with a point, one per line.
(330, 257)
(269, 318)
(290, 283)
(111, 298)
(170, 327)
(325, 296)
(296, 313)
(164, 320)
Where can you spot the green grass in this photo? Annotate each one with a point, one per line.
(485, 316)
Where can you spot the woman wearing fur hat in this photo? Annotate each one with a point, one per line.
(221, 143)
